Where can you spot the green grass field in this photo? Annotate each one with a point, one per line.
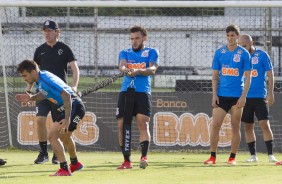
(164, 168)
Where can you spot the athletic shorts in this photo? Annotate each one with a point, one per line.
(43, 107)
(255, 106)
(142, 104)
(227, 102)
(77, 113)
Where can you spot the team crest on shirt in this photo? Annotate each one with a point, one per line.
(255, 60)
(236, 58)
(60, 51)
(145, 53)
(223, 51)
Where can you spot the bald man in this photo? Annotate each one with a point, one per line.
(259, 99)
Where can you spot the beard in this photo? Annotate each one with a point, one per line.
(138, 48)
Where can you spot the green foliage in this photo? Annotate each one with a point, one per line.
(16, 84)
(123, 11)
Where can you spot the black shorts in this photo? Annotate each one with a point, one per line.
(44, 107)
(142, 104)
(255, 106)
(227, 102)
(77, 113)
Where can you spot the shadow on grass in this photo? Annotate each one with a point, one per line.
(14, 165)
(175, 164)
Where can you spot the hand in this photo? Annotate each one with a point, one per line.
(241, 102)
(270, 99)
(126, 71)
(215, 101)
(27, 90)
(132, 72)
(74, 88)
(64, 126)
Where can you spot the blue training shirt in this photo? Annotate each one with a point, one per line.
(261, 64)
(231, 66)
(51, 87)
(139, 60)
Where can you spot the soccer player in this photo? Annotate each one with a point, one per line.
(53, 56)
(142, 62)
(229, 64)
(258, 99)
(67, 110)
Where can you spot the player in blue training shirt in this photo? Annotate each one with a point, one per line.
(141, 62)
(229, 90)
(258, 99)
(67, 110)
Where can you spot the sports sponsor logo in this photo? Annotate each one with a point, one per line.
(127, 140)
(254, 73)
(230, 72)
(136, 65)
(53, 100)
(188, 129)
(87, 132)
(28, 104)
(177, 104)
(76, 119)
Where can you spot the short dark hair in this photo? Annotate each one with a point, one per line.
(27, 65)
(233, 28)
(142, 29)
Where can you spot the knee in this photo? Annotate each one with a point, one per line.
(50, 136)
(265, 126)
(248, 128)
(143, 126)
(63, 139)
(215, 125)
(235, 127)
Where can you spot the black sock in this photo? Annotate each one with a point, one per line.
(269, 146)
(232, 155)
(213, 154)
(43, 146)
(126, 157)
(64, 165)
(252, 147)
(144, 148)
(73, 161)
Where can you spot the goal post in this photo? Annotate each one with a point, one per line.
(142, 4)
(186, 33)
